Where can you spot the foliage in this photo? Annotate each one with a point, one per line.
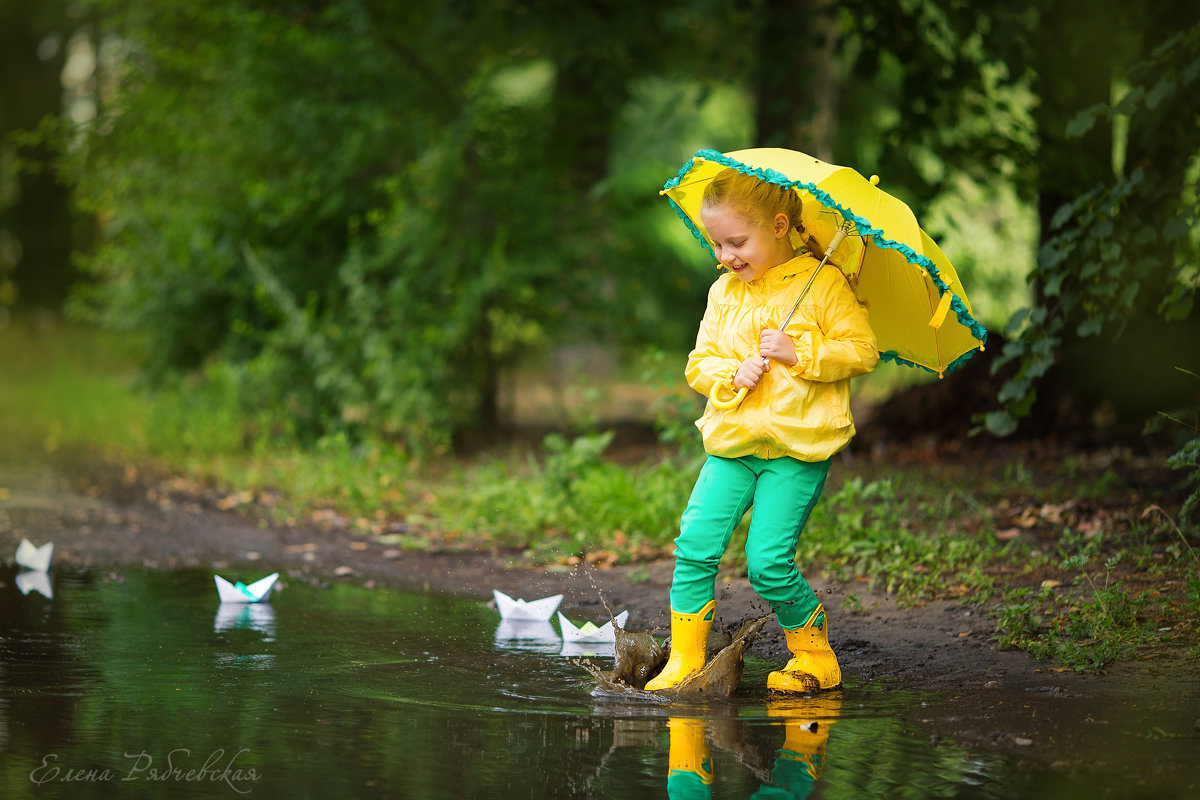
(868, 529)
(1122, 249)
(1187, 458)
(367, 230)
(572, 504)
(1084, 631)
(368, 212)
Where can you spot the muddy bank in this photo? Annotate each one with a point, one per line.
(1141, 718)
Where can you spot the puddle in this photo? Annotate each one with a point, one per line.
(142, 683)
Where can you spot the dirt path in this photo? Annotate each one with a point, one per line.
(1142, 717)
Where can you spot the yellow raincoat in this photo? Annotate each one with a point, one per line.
(801, 411)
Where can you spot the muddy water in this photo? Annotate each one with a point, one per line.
(140, 684)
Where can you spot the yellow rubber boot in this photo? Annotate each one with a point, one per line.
(689, 756)
(689, 635)
(813, 666)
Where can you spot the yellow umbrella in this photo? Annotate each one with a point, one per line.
(900, 274)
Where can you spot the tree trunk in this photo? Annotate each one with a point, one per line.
(795, 88)
(35, 231)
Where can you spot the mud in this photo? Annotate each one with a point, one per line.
(1142, 716)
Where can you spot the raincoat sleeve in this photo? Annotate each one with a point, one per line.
(843, 344)
(707, 364)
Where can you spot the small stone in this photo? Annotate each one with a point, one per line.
(1021, 741)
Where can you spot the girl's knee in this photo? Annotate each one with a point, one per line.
(769, 577)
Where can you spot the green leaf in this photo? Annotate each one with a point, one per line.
(1175, 228)
(1162, 90)
(1064, 213)
(1053, 285)
(1130, 294)
(1013, 389)
(1132, 99)
(1016, 321)
(1177, 308)
(1001, 423)
(1085, 120)
(1089, 327)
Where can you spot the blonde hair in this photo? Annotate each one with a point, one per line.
(756, 200)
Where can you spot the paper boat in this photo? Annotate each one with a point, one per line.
(532, 611)
(35, 582)
(589, 631)
(257, 592)
(36, 558)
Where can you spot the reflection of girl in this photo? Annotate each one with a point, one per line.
(773, 451)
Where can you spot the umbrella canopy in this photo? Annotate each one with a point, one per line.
(918, 310)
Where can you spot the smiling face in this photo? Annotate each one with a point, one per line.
(745, 248)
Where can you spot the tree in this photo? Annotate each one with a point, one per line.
(36, 229)
(1116, 278)
(358, 212)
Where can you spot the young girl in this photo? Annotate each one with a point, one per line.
(773, 450)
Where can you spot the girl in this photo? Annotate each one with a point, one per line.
(772, 451)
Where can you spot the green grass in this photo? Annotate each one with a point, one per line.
(1057, 550)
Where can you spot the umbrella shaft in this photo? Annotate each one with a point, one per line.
(833, 245)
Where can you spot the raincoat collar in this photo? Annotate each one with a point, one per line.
(780, 275)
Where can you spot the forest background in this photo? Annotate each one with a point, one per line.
(313, 254)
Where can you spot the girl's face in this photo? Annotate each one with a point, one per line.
(744, 248)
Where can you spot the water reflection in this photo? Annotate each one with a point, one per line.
(33, 581)
(690, 774)
(247, 617)
(790, 772)
(588, 649)
(531, 636)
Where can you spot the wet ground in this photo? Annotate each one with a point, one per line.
(959, 718)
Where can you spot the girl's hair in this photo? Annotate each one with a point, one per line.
(756, 200)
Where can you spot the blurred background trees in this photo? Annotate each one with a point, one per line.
(365, 215)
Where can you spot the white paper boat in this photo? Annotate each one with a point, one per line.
(35, 582)
(532, 636)
(532, 611)
(589, 631)
(257, 592)
(36, 558)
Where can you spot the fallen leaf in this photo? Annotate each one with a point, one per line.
(235, 500)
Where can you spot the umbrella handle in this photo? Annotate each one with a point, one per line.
(732, 402)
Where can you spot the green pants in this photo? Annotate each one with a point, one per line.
(783, 492)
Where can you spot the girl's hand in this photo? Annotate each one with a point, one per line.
(750, 373)
(777, 346)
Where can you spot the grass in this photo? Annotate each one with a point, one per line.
(1056, 547)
